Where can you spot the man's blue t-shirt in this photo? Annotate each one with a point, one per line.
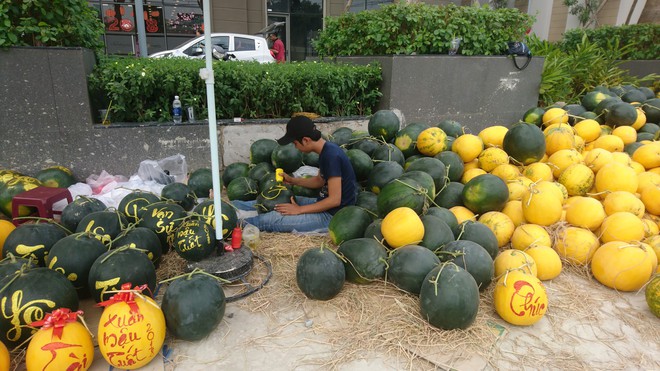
(334, 162)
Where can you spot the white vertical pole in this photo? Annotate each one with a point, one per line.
(142, 35)
(207, 75)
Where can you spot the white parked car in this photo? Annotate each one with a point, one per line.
(228, 45)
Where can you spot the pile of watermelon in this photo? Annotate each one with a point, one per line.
(93, 251)
(568, 184)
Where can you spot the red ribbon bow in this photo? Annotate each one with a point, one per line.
(127, 295)
(57, 319)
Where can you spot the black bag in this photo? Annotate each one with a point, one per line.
(519, 49)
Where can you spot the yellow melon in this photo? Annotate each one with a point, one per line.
(516, 189)
(474, 164)
(492, 157)
(648, 155)
(650, 227)
(621, 226)
(555, 116)
(493, 136)
(462, 214)
(467, 146)
(548, 262)
(538, 171)
(471, 173)
(553, 187)
(622, 157)
(558, 139)
(402, 226)
(624, 266)
(597, 158)
(585, 212)
(578, 179)
(512, 259)
(628, 134)
(609, 142)
(513, 209)
(641, 119)
(637, 167)
(527, 235)
(431, 141)
(506, 172)
(647, 179)
(541, 206)
(650, 196)
(501, 225)
(623, 201)
(520, 298)
(605, 130)
(589, 130)
(562, 159)
(576, 245)
(616, 177)
(654, 242)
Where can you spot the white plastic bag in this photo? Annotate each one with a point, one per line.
(104, 182)
(175, 166)
(150, 170)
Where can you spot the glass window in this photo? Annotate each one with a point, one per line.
(281, 6)
(242, 43)
(118, 17)
(304, 28)
(360, 5)
(307, 6)
(183, 19)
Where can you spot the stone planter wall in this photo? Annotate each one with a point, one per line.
(477, 91)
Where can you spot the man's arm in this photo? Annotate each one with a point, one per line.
(311, 182)
(333, 200)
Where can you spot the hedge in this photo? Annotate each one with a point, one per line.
(645, 39)
(142, 89)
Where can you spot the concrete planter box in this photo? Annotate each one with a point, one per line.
(641, 68)
(477, 91)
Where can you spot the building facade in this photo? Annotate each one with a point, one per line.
(169, 23)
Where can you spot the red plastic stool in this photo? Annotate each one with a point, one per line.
(42, 198)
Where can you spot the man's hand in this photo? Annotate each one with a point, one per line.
(289, 209)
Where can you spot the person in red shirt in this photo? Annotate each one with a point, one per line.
(278, 48)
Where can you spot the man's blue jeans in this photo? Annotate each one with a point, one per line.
(276, 222)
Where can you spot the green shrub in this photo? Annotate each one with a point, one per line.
(50, 23)
(422, 29)
(142, 89)
(567, 75)
(644, 38)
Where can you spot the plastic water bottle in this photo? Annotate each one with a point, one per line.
(177, 111)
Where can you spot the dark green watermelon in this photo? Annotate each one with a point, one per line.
(229, 218)
(233, 171)
(200, 182)
(453, 163)
(257, 171)
(320, 274)
(180, 194)
(11, 264)
(446, 215)
(473, 258)
(348, 223)
(480, 233)
(368, 201)
(384, 124)
(361, 162)
(56, 176)
(408, 265)
(33, 241)
(194, 240)
(261, 150)
(132, 205)
(143, 239)
(104, 225)
(383, 173)
(402, 193)
(119, 266)
(432, 166)
(26, 297)
(364, 260)
(449, 297)
(287, 158)
(163, 218)
(242, 188)
(73, 256)
(341, 136)
(267, 199)
(388, 152)
(436, 232)
(450, 195)
(193, 306)
(78, 209)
